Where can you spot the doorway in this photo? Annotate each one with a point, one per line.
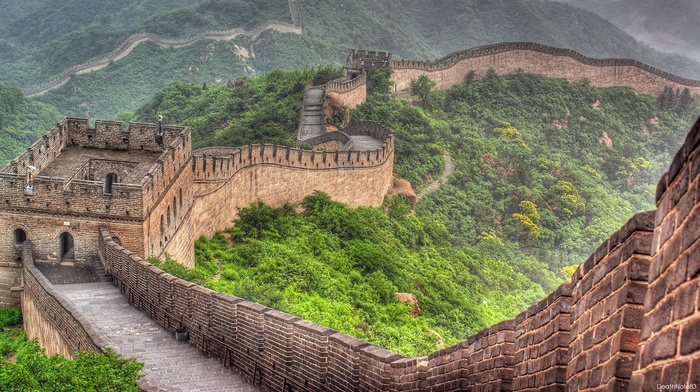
(66, 250)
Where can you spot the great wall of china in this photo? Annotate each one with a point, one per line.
(628, 320)
(134, 40)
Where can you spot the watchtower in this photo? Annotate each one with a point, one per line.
(78, 177)
(360, 62)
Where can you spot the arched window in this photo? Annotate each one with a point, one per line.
(117, 240)
(20, 236)
(162, 229)
(180, 199)
(175, 209)
(109, 180)
(168, 215)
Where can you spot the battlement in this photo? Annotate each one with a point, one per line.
(345, 85)
(362, 61)
(539, 59)
(105, 170)
(219, 164)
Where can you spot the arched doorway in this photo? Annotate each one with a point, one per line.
(20, 236)
(66, 250)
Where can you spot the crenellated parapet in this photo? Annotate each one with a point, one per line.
(539, 59)
(227, 179)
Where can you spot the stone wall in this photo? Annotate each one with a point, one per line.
(542, 60)
(353, 92)
(45, 230)
(51, 318)
(606, 308)
(584, 336)
(669, 349)
(227, 179)
(10, 282)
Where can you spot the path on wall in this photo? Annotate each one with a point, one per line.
(171, 365)
(312, 121)
(435, 185)
(133, 41)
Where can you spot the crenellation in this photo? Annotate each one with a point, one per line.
(626, 320)
(539, 59)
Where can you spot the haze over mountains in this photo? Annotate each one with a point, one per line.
(669, 26)
(39, 39)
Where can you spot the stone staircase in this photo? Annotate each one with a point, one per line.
(311, 123)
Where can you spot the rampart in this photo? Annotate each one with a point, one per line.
(227, 179)
(76, 203)
(627, 321)
(543, 60)
(353, 92)
(51, 318)
(132, 41)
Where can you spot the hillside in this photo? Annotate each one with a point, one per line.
(35, 48)
(669, 26)
(544, 171)
(22, 122)
(411, 29)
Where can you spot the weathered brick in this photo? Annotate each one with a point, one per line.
(690, 337)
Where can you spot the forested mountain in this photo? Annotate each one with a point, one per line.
(40, 43)
(669, 26)
(545, 170)
(22, 122)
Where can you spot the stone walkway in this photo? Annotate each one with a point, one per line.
(312, 118)
(172, 365)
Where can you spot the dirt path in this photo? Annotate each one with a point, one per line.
(449, 169)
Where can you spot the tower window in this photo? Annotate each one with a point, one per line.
(109, 181)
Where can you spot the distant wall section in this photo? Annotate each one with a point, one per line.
(227, 179)
(353, 92)
(543, 60)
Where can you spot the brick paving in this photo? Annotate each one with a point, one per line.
(58, 274)
(171, 365)
(312, 118)
(73, 158)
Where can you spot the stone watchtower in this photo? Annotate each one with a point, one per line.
(360, 62)
(75, 178)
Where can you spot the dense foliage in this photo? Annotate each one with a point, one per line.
(342, 268)
(669, 26)
(544, 167)
(34, 48)
(50, 36)
(22, 122)
(418, 29)
(250, 110)
(545, 170)
(24, 365)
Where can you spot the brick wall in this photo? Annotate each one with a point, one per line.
(227, 179)
(10, 282)
(669, 351)
(607, 308)
(353, 92)
(542, 344)
(539, 59)
(48, 316)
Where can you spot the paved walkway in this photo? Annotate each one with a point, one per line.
(312, 119)
(365, 143)
(172, 365)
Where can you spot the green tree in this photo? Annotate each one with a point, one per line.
(422, 87)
